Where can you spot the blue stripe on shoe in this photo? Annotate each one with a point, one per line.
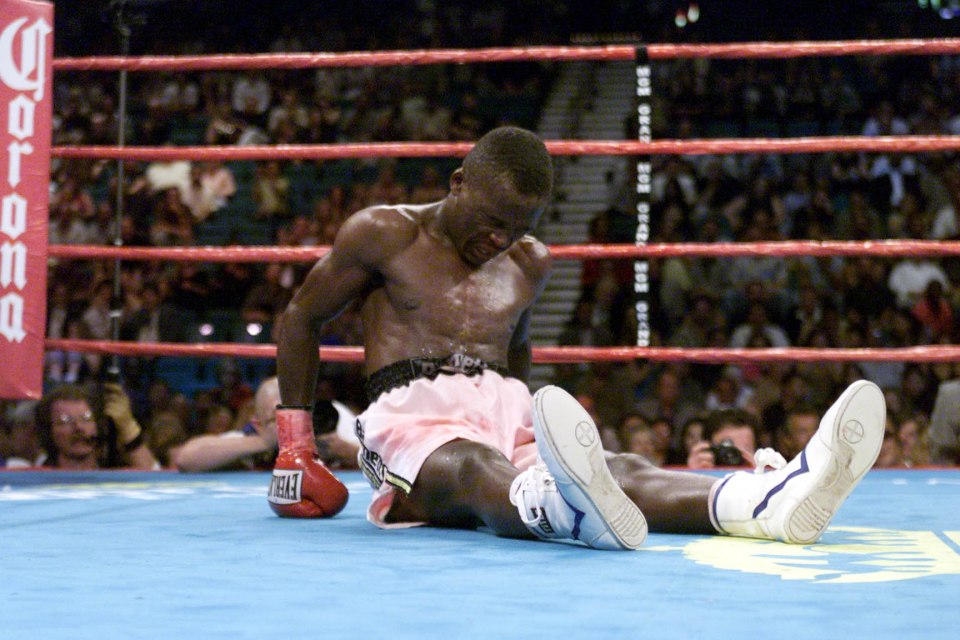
(577, 519)
(766, 500)
(716, 496)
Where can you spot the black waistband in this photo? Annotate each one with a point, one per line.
(403, 372)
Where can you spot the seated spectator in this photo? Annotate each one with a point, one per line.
(323, 125)
(917, 390)
(271, 192)
(255, 445)
(793, 390)
(730, 440)
(583, 329)
(758, 322)
(801, 422)
(702, 316)
(167, 432)
(910, 278)
(386, 189)
(430, 188)
(79, 435)
(71, 214)
(891, 454)
(933, 312)
(218, 420)
(161, 176)
(630, 423)
(272, 293)
(172, 222)
(644, 441)
(689, 435)
(223, 128)
(19, 445)
(71, 366)
(250, 98)
(728, 392)
(945, 425)
(190, 287)
(668, 401)
(914, 440)
(466, 122)
(290, 111)
(155, 321)
(211, 185)
(805, 315)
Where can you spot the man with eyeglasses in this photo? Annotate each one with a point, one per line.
(78, 438)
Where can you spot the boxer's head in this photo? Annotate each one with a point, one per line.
(498, 194)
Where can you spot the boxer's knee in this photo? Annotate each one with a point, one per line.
(456, 481)
(625, 465)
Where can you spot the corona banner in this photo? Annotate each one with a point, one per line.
(26, 57)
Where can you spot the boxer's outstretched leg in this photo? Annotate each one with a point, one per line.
(463, 484)
(466, 484)
(672, 501)
(796, 503)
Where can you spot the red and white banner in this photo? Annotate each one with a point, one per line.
(26, 63)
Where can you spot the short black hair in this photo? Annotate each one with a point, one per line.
(719, 418)
(514, 154)
(804, 408)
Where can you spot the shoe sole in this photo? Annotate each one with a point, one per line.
(854, 447)
(572, 444)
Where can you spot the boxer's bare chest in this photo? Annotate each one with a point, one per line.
(440, 305)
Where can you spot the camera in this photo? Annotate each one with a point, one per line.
(726, 454)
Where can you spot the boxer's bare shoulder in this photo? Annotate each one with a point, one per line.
(378, 233)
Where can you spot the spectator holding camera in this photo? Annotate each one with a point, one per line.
(255, 445)
(729, 440)
(80, 434)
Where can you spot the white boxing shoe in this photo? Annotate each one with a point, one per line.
(580, 500)
(796, 502)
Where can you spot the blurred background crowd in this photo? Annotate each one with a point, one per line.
(660, 410)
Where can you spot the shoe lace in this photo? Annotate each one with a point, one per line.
(768, 458)
(528, 489)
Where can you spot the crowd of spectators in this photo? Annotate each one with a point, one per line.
(767, 301)
(661, 410)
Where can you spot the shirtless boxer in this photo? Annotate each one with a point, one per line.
(452, 437)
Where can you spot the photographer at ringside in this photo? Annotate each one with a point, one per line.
(730, 440)
(83, 429)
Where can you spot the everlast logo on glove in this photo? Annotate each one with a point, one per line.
(285, 486)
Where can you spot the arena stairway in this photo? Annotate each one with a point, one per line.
(589, 101)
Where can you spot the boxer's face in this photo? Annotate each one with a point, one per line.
(74, 429)
(487, 216)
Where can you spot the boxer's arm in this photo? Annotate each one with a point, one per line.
(520, 353)
(337, 279)
(533, 258)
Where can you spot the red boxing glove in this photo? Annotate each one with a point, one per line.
(302, 487)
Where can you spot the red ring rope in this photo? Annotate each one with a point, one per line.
(880, 144)
(879, 248)
(509, 54)
(930, 353)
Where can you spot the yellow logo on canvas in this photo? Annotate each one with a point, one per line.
(845, 555)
